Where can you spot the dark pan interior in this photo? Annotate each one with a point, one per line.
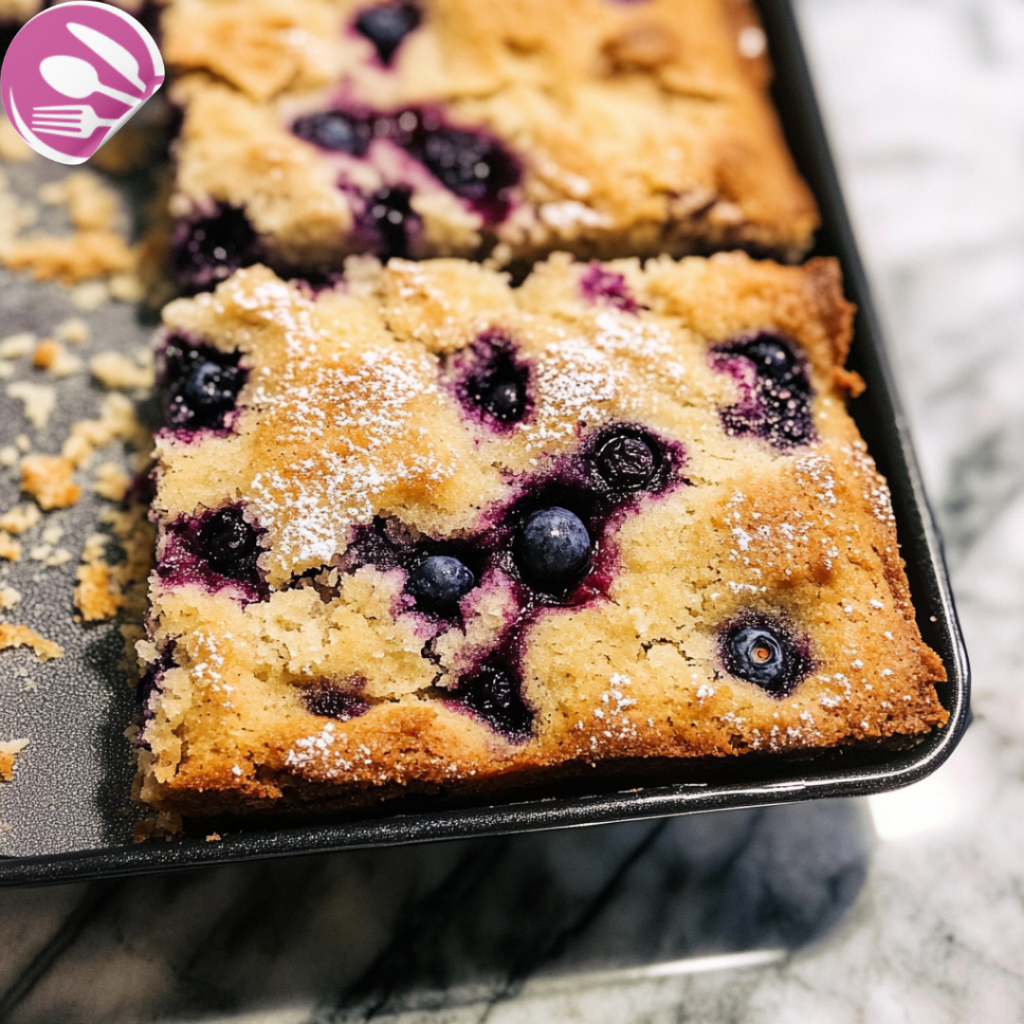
(661, 789)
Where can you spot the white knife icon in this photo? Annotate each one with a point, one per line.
(110, 51)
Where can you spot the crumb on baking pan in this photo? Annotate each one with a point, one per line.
(50, 355)
(23, 636)
(111, 482)
(39, 400)
(20, 518)
(114, 370)
(10, 549)
(9, 597)
(14, 346)
(95, 598)
(71, 259)
(49, 479)
(117, 420)
(92, 205)
(74, 330)
(9, 750)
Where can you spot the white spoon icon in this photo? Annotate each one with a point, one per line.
(77, 78)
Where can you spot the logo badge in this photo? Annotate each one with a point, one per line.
(74, 75)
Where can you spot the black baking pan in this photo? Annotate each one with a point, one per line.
(82, 828)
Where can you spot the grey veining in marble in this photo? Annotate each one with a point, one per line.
(901, 909)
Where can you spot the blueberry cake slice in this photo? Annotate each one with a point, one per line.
(414, 128)
(426, 532)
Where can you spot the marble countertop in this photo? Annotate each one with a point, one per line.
(901, 908)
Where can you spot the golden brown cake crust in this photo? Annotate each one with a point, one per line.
(651, 132)
(318, 682)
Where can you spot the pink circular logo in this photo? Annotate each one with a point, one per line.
(74, 74)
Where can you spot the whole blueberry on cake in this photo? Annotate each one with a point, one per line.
(313, 129)
(425, 532)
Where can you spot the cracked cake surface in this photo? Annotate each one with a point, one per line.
(426, 532)
(313, 129)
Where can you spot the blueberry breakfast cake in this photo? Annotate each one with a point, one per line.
(426, 532)
(312, 129)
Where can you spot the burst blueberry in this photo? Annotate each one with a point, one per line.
(471, 164)
(330, 701)
(391, 218)
(775, 387)
(493, 693)
(202, 385)
(335, 130)
(439, 582)
(229, 544)
(387, 25)
(210, 249)
(626, 463)
(553, 548)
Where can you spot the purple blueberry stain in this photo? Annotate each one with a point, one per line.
(764, 650)
(217, 549)
(329, 699)
(470, 163)
(493, 692)
(551, 545)
(200, 384)
(208, 250)
(492, 383)
(386, 25)
(600, 285)
(775, 388)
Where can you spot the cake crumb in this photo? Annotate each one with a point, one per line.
(74, 330)
(23, 443)
(214, 837)
(39, 400)
(9, 597)
(94, 597)
(71, 259)
(8, 456)
(23, 636)
(10, 549)
(112, 482)
(9, 750)
(20, 518)
(90, 295)
(117, 420)
(114, 370)
(14, 346)
(55, 359)
(49, 479)
(127, 287)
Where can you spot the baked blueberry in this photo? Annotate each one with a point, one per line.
(202, 385)
(330, 701)
(229, 544)
(386, 25)
(775, 386)
(211, 249)
(391, 218)
(474, 166)
(760, 651)
(553, 547)
(336, 130)
(493, 693)
(438, 583)
(494, 381)
(626, 462)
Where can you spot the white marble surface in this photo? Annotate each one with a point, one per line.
(901, 909)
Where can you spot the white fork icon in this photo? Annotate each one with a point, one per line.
(76, 121)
